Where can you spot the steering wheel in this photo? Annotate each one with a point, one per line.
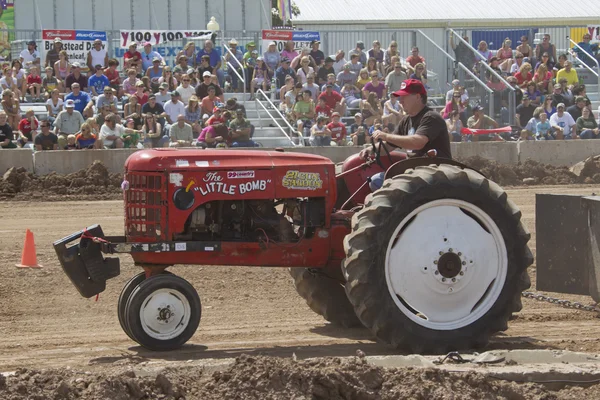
(377, 152)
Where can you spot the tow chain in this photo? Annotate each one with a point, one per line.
(559, 302)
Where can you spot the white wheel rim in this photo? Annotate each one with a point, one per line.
(165, 314)
(414, 273)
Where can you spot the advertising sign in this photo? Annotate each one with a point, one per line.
(77, 43)
(300, 38)
(158, 37)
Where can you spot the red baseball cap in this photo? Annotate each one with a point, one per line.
(411, 86)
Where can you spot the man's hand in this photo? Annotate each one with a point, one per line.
(367, 152)
(379, 135)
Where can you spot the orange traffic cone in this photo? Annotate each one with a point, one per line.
(29, 257)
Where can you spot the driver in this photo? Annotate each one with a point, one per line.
(422, 130)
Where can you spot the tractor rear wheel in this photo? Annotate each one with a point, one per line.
(437, 260)
(163, 312)
(325, 296)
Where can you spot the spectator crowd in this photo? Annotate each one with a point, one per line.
(340, 99)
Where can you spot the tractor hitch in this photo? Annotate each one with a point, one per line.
(84, 263)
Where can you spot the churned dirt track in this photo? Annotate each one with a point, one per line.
(46, 324)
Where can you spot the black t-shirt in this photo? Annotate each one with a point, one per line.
(6, 132)
(431, 124)
(202, 90)
(525, 113)
(318, 56)
(575, 111)
(559, 98)
(46, 141)
(156, 110)
(322, 74)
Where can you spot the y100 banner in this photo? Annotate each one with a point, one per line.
(300, 38)
(157, 37)
(76, 43)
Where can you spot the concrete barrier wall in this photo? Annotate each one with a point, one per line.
(16, 158)
(552, 152)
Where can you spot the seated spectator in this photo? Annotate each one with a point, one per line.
(28, 127)
(167, 76)
(6, 133)
(185, 90)
(355, 65)
(132, 59)
(209, 102)
(576, 110)
(107, 97)
(539, 126)
(587, 127)
(173, 108)
(373, 66)
(305, 70)
(250, 63)
(304, 112)
(505, 55)
(8, 81)
(288, 87)
(148, 57)
(484, 52)
(334, 100)
(414, 58)
(545, 47)
(49, 83)
(34, 84)
(338, 130)
(481, 121)
(202, 88)
(394, 78)
(155, 108)
(215, 61)
(216, 117)
(569, 73)
(98, 81)
(12, 108)
(392, 113)
(359, 52)
(129, 83)
(296, 62)
(97, 55)
(524, 112)
(455, 104)
(30, 56)
(323, 109)
(133, 110)
(390, 52)
(152, 132)
(182, 66)
(94, 126)
(375, 86)
(272, 59)
(351, 95)
(563, 123)
(71, 143)
(310, 85)
(181, 133)
(86, 139)
(68, 122)
(99, 118)
(363, 78)
(193, 115)
(566, 91)
(562, 59)
(370, 109)
(516, 66)
(111, 133)
(236, 62)
(524, 75)
(542, 79)
(454, 125)
(320, 135)
(532, 92)
(339, 61)
(54, 106)
(187, 56)
(131, 139)
(585, 50)
(283, 71)
(524, 48)
(376, 52)
(111, 73)
(82, 100)
(289, 50)
(241, 131)
(450, 93)
(548, 107)
(154, 73)
(358, 131)
(19, 73)
(289, 100)
(316, 54)
(331, 80)
(191, 72)
(346, 76)
(259, 77)
(420, 73)
(52, 54)
(46, 140)
(76, 77)
(324, 71)
(213, 136)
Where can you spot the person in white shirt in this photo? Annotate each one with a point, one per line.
(185, 89)
(9, 81)
(112, 133)
(97, 56)
(173, 108)
(339, 61)
(562, 122)
(464, 97)
(30, 56)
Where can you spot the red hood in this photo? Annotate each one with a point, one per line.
(190, 159)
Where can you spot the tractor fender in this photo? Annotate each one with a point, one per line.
(410, 163)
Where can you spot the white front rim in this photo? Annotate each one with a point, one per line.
(466, 283)
(165, 314)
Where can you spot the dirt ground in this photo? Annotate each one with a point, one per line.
(82, 352)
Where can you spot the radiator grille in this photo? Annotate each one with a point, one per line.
(145, 212)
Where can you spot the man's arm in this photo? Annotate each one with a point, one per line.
(412, 142)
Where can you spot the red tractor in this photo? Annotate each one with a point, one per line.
(433, 261)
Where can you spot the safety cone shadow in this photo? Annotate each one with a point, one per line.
(29, 257)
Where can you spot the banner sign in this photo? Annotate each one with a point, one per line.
(594, 31)
(77, 43)
(157, 37)
(300, 38)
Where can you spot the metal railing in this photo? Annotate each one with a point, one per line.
(489, 91)
(590, 56)
(264, 95)
(232, 68)
(512, 91)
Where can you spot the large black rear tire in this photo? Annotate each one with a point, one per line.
(406, 230)
(325, 296)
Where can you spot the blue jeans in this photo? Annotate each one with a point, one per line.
(588, 134)
(248, 143)
(376, 181)
(456, 137)
(221, 77)
(320, 141)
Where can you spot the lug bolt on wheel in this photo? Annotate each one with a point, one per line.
(461, 273)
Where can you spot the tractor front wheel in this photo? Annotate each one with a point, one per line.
(163, 312)
(437, 260)
(324, 295)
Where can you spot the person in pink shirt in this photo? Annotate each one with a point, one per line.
(288, 51)
(129, 84)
